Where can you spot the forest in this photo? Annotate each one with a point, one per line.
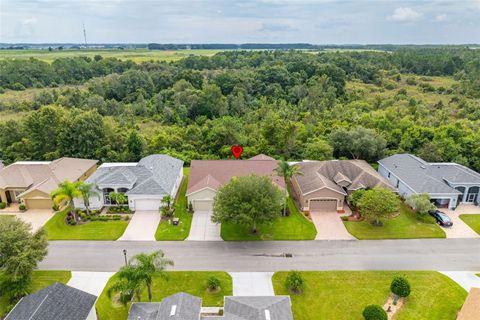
(288, 104)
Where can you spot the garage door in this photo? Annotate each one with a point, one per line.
(203, 205)
(147, 204)
(38, 203)
(325, 205)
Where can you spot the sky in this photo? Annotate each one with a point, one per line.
(241, 21)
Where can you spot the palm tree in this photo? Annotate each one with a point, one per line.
(146, 265)
(287, 172)
(67, 191)
(129, 286)
(168, 200)
(87, 190)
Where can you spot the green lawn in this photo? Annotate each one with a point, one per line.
(95, 230)
(166, 231)
(293, 227)
(40, 280)
(404, 226)
(342, 295)
(473, 221)
(192, 282)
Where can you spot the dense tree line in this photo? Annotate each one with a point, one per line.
(291, 104)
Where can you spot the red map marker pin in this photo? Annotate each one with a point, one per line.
(237, 151)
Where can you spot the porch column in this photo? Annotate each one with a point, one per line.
(465, 194)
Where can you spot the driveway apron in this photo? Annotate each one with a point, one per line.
(203, 229)
(36, 217)
(142, 226)
(252, 283)
(330, 226)
(460, 229)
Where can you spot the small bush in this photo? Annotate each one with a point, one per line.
(94, 218)
(126, 218)
(374, 312)
(3, 205)
(22, 207)
(213, 283)
(400, 287)
(55, 207)
(294, 282)
(82, 215)
(344, 218)
(411, 81)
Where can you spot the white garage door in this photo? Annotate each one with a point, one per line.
(147, 204)
(203, 205)
(323, 205)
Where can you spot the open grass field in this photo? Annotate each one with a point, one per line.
(192, 282)
(293, 227)
(136, 55)
(94, 230)
(166, 231)
(342, 295)
(40, 280)
(473, 221)
(404, 226)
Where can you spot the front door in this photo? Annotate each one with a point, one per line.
(471, 197)
(9, 196)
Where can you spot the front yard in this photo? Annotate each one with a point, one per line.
(40, 280)
(57, 229)
(293, 227)
(342, 295)
(404, 226)
(192, 282)
(472, 220)
(167, 231)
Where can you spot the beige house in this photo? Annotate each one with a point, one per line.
(31, 182)
(324, 185)
(207, 176)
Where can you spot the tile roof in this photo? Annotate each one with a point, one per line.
(261, 156)
(180, 306)
(56, 302)
(153, 175)
(353, 174)
(215, 173)
(429, 177)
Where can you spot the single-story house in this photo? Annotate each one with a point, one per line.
(207, 176)
(31, 182)
(56, 302)
(448, 184)
(323, 185)
(182, 306)
(471, 307)
(144, 183)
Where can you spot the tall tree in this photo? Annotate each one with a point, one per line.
(87, 191)
(287, 172)
(135, 146)
(358, 143)
(377, 204)
(66, 192)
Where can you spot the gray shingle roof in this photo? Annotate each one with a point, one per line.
(255, 308)
(180, 306)
(56, 302)
(153, 175)
(423, 176)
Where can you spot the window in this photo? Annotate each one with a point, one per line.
(398, 183)
(389, 174)
(106, 195)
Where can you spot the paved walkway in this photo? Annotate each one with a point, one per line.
(460, 229)
(142, 226)
(91, 282)
(36, 217)
(465, 279)
(203, 229)
(330, 226)
(252, 283)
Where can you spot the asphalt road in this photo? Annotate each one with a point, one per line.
(426, 254)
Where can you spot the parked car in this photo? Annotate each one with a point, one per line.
(442, 218)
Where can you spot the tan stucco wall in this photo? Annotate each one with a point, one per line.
(3, 196)
(202, 195)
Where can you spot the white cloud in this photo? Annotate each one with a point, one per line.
(441, 17)
(29, 21)
(405, 14)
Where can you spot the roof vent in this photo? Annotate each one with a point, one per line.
(423, 167)
(173, 310)
(267, 314)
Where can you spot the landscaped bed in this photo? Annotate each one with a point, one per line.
(404, 226)
(57, 229)
(40, 280)
(168, 231)
(192, 282)
(342, 295)
(472, 220)
(293, 227)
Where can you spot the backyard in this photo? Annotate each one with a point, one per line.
(342, 295)
(192, 282)
(40, 280)
(403, 226)
(57, 229)
(473, 221)
(167, 231)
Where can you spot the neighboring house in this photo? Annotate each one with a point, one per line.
(448, 184)
(56, 302)
(324, 185)
(144, 183)
(182, 306)
(31, 182)
(207, 176)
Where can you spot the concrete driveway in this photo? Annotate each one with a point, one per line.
(142, 226)
(252, 283)
(203, 229)
(465, 279)
(330, 226)
(460, 229)
(36, 217)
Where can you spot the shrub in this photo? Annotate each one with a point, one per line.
(294, 282)
(55, 207)
(82, 215)
(411, 81)
(213, 283)
(374, 312)
(22, 207)
(103, 218)
(94, 218)
(3, 205)
(190, 207)
(400, 287)
(126, 218)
